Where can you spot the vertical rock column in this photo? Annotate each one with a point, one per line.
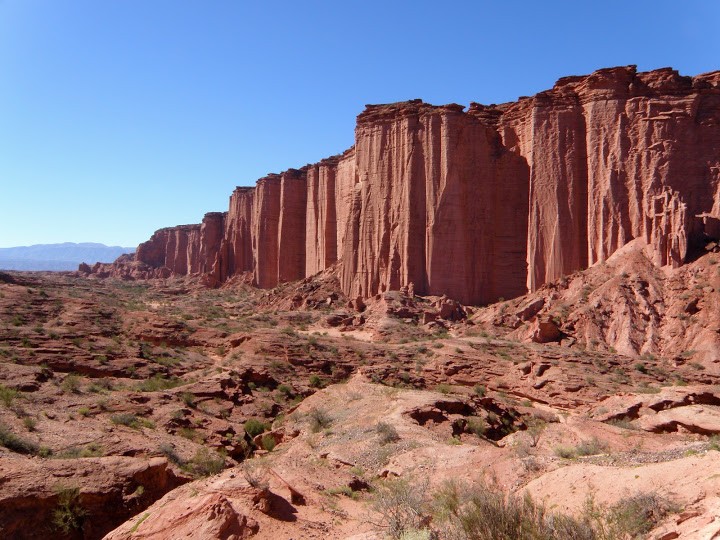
(613, 203)
(321, 217)
(345, 182)
(476, 201)
(238, 235)
(266, 220)
(548, 130)
(375, 247)
(212, 258)
(557, 220)
(191, 238)
(292, 226)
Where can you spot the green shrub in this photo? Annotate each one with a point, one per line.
(69, 514)
(622, 423)
(71, 383)
(30, 423)
(15, 444)
(714, 443)
(74, 452)
(188, 399)
(476, 425)
(190, 434)
(591, 447)
(268, 442)
(7, 395)
(255, 427)
(285, 390)
(565, 452)
(342, 490)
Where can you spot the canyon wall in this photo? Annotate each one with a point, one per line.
(479, 204)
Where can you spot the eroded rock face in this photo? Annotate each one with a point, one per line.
(106, 490)
(437, 198)
(477, 204)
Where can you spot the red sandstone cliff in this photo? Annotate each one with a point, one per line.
(479, 204)
(437, 198)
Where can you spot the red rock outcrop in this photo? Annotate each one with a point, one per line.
(478, 204)
(106, 491)
(437, 199)
(236, 254)
(266, 218)
(321, 216)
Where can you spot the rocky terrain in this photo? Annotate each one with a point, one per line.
(164, 408)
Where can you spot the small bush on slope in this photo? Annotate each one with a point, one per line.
(480, 512)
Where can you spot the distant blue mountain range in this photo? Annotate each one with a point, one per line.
(57, 257)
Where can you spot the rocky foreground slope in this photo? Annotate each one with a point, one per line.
(476, 204)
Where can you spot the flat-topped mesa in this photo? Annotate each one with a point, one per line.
(479, 203)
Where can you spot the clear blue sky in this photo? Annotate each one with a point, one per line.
(118, 117)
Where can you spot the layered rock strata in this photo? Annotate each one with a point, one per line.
(483, 203)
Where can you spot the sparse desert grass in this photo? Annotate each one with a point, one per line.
(401, 506)
(205, 462)
(590, 447)
(16, 444)
(71, 384)
(535, 429)
(387, 433)
(255, 475)
(130, 420)
(461, 511)
(7, 395)
(318, 419)
(159, 382)
(622, 423)
(74, 452)
(342, 490)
